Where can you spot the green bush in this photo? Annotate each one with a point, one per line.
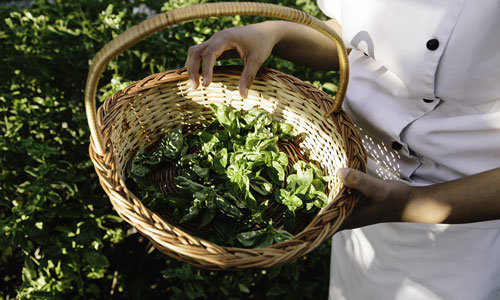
(59, 236)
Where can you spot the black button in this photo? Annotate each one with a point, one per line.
(396, 146)
(428, 100)
(365, 53)
(432, 44)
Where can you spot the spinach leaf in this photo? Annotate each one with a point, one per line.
(229, 209)
(173, 145)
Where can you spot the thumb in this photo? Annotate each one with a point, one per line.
(372, 188)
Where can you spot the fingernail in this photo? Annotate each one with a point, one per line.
(244, 93)
(193, 84)
(342, 173)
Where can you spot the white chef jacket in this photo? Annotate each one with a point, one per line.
(424, 91)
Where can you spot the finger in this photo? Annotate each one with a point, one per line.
(250, 69)
(373, 188)
(193, 65)
(363, 214)
(209, 56)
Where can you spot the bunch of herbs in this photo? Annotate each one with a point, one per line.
(230, 172)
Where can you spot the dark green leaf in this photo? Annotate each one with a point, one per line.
(227, 208)
(248, 238)
(261, 185)
(220, 161)
(187, 184)
(276, 173)
(172, 144)
(208, 215)
(192, 212)
(201, 172)
(266, 240)
(243, 288)
(95, 259)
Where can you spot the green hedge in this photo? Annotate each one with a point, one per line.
(59, 236)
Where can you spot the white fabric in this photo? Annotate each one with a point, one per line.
(456, 134)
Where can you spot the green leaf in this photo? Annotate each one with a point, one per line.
(225, 231)
(227, 208)
(266, 240)
(275, 290)
(192, 212)
(285, 131)
(139, 170)
(201, 172)
(268, 144)
(207, 217)
(189, 159)
(243, 288)
(276, 173)
(261, 185)
(248, 238)
(188, 185)
(29, 271)
(318, 185)
(288, 198)
(305, 174)
(257, 118)
(220, 161)
(172, 144)
(232, 198)
(54, 197)
(320, 199)
(42, 295)
(330, 87)
(227, 117)
(208, 142)
(212, 127)
(282, 158)
(281, 235)
(95, 259)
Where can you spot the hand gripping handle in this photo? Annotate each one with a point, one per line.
(142, 30)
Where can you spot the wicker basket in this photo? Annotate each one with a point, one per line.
(143, 112)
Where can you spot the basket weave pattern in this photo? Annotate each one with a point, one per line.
(143, 112)
(139, 115)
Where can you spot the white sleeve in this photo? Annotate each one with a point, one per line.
(331, 8)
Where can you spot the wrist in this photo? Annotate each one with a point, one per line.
(276, 31)
(422, 207)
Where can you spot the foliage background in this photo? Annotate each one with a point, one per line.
(59, 236)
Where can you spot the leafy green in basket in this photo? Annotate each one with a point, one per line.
(232, 179)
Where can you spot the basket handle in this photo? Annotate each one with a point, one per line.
(140, 31)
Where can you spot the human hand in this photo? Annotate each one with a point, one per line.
(383, 201)
(473, 198)
(253, 44)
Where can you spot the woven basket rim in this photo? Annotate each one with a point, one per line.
(208, 254)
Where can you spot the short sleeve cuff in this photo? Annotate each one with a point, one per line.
(331, 8)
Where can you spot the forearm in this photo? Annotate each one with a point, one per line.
(304, 45)
(470, 199)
